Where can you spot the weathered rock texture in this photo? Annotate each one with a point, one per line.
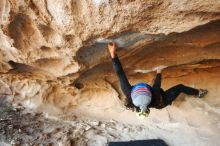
(52, 59)
(48, 33)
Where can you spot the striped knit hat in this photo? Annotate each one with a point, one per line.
(141, 96)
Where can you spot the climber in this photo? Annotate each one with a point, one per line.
(142, 96)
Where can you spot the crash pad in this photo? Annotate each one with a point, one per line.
(151, 142)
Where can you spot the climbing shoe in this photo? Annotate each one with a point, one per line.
(202, 92)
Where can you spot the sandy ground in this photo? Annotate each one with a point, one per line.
(193, 123)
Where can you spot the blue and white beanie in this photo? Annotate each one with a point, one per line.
(141, 96)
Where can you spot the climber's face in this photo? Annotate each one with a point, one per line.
(142, 115)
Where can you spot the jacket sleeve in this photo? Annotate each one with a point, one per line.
(125, 85)
(157, 81)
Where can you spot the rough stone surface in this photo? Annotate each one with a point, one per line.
(53, 59)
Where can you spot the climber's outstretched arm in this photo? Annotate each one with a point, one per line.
(157, 81)
(125, 85)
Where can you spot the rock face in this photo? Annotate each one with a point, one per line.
(50, 39)
(53, 55)
(60, 42)
(53, 31)
(53, 59)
